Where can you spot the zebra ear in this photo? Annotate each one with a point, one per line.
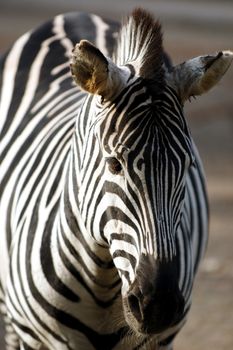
(93, 72)
(198, 75)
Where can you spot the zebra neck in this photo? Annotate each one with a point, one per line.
(87, 264)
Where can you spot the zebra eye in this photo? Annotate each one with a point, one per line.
(114, 165)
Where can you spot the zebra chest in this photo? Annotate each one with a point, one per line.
(55, 291)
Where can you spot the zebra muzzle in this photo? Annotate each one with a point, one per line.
(155, 303)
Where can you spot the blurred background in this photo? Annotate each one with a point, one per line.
(191, 28)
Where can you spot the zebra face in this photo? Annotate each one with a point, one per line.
(141, 150)
(146, 152)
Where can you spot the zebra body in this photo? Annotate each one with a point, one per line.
(72, 239)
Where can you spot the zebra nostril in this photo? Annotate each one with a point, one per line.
(154, 313)
(134, 305)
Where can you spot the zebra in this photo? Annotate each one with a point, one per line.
(104, 210)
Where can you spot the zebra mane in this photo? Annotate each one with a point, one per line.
(140, 45)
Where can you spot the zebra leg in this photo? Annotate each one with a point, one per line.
(11, 338)
(12, 341)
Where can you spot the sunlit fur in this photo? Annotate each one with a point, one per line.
(140, 44)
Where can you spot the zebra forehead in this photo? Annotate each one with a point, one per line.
(140, 45)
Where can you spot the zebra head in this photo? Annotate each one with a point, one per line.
(136, 153)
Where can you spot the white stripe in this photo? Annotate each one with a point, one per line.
(123, 264)
(101, 28)
(59, 31)
(9, 73)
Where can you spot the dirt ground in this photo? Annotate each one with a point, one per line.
(210, 323)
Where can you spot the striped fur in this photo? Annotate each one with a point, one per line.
(74, 226)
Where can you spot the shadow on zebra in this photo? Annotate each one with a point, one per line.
(104, 209)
